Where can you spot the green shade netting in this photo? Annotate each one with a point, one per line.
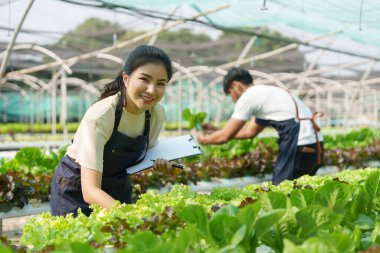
(357, 20)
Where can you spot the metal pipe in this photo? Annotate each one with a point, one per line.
(12, 42)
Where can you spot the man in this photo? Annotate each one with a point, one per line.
(300, 142)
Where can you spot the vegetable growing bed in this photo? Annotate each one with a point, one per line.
(311, 214)
(27, 177)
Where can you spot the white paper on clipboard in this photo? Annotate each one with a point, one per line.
(169, 149)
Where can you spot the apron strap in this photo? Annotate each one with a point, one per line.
(315, 127)
(146, 133)
(118, 112)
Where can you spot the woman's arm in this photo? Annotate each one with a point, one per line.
(91, 189)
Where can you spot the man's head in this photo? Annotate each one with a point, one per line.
(236, 82)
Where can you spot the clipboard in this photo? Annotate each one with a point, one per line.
(169, 149)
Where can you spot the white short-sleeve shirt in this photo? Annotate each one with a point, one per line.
(96, 128)
(273, 103)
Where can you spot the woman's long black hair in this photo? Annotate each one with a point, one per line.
(141, 55)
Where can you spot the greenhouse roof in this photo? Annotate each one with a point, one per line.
(356, 20)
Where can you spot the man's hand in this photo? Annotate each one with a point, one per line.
(208, 128)
(222, 135)
(200, 137)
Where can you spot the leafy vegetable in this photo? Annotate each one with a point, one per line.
(194, 119)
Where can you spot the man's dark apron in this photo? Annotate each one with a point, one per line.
(120, 152)
(288, 131)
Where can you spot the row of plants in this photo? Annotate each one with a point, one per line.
(309, 215)
(27, 177)
(194, 121)
(256, 157)
(27, 128)
(360, 138)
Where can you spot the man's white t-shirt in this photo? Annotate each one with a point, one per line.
(273, 103)
(96, 128)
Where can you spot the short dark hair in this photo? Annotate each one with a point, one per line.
(236, 74)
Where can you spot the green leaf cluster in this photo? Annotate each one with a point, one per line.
(195, 119)
(317, 213)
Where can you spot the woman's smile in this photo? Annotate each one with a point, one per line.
(147, 100)
(145, 87)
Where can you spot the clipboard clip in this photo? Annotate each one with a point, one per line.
(195, 144)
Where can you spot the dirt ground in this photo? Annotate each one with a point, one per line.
(12, 227)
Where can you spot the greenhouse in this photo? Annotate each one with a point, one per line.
(189, 126)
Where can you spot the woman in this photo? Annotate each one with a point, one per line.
(113, 135)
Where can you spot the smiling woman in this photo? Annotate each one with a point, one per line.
(145, 87)
(114, 134)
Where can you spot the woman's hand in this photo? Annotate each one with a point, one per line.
(162, 164)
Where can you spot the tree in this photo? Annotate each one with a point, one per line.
(92, 34)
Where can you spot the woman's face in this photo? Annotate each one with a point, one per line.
(145, 87)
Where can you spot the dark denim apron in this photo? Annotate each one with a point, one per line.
(120, 152)
(288, 131)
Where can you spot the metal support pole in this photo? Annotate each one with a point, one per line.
(346, 110)
(376, 108)
(318, 103)
(12, 42)
(329, 109)
(32, 110)
(4, 115)
(155, 36)
(245, 51)
(361, 105)
(63, 118)
(180, 101)
(54, 108)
